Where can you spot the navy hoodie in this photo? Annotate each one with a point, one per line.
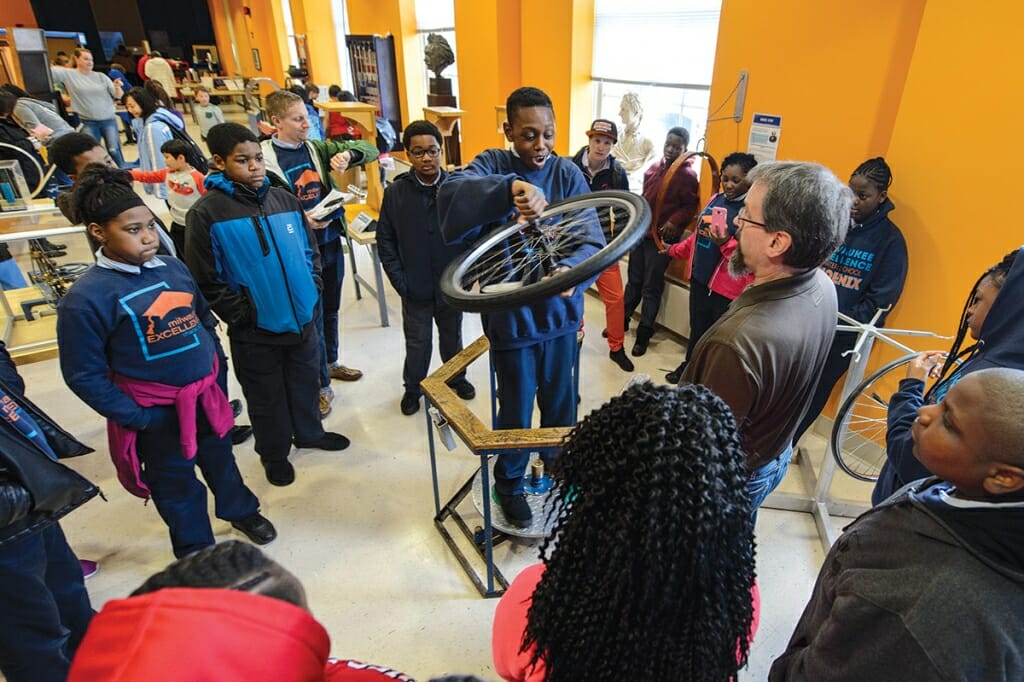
(870, 267)
(481, 196)
(1001, 345)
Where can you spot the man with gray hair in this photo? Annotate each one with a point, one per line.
(765, 355)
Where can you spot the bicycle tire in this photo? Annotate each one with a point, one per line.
(495, 250)
(858, 433)
(677, 165)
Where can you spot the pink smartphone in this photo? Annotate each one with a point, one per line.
(718, 220)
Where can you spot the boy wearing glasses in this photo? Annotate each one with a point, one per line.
(302, 166)
(414, 255)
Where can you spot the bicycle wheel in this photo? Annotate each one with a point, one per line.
(515, 264)
(858, 434)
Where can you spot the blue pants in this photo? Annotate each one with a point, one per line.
(332, 265)
(418, 318)
(766, 478)
(179, 496)
(44, 608)
(645, 283)
(106, 131)
(542, 371)
(281, 388)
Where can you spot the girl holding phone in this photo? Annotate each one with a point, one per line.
(712, 286)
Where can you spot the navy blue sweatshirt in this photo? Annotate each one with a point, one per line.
(481, 196)
(870, 267)
(153, 326)
(412, 250)
(1001, 345)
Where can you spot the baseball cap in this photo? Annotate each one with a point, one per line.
(603, 126)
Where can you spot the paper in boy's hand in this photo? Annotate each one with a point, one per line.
(329, 204)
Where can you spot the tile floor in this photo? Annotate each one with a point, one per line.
(356, 526)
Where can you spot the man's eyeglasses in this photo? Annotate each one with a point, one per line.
(743, 216)
(432, 152)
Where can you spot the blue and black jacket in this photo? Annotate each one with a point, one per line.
(254, 256)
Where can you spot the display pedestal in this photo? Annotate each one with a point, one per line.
(446, 118)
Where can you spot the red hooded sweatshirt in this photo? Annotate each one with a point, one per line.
(212, 634)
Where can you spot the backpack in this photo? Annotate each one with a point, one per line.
(194, 155)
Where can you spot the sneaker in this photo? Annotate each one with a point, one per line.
(410, 403)
(326, 396)
(236, 407)
(516, 509)
(89, 568)
(240, 434)
(257, 528)
(620, 359)
(343, 373)
(639, 348)
(330, 441)
(279, 472)
(604, 333)
(464, 390)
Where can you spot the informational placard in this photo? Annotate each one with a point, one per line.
(764, 137)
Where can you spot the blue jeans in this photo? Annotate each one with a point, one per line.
(44, 608)
(106, 131)
(767, 478)
(541, 372)
(332, 271)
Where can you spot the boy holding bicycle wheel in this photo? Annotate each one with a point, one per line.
(533, 347)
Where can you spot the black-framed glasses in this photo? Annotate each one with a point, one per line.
(742, 215)
(432, 152)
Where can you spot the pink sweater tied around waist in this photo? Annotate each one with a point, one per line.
(205, 392)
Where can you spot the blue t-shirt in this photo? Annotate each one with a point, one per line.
(307, 185)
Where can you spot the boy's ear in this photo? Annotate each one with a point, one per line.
(218, 162)
(507, 128)
(1004, 479)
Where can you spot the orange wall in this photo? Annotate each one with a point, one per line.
(397, 17)
(496, 56)
(262, 29)
(315, 19)
(487, 46)
(956, 92)
(838, 105)
(17, 13)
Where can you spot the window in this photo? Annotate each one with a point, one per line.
(671, 76)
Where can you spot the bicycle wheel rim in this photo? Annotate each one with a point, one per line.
(858, 434)
(510, 261)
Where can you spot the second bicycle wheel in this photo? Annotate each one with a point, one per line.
(517, 264)
(858, 434)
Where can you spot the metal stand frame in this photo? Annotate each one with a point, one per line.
(450, 416)
(819, 503)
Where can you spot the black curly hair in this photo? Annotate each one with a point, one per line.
(651, 574)
(97, 190)
(231, 565)
(997, 276)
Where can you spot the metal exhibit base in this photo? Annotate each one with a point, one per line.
(453, 420)
(818, 501)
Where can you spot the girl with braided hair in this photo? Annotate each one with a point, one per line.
(652, 573)
(994, 317)
(869, 270)
(139, 345)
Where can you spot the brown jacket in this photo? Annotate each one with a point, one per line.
(764, 358)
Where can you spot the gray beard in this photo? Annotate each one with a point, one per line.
(737, 268)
